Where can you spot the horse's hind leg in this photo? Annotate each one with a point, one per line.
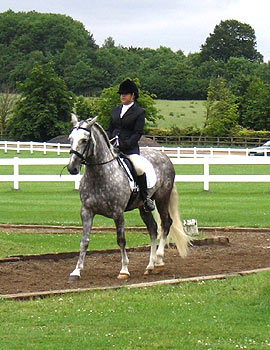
(166, 222)
(119, 223)
(87, 220)
(152, 229)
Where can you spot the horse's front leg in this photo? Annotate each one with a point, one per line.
(119, 223)
(87, 220)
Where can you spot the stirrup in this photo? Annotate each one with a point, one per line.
(148, 205)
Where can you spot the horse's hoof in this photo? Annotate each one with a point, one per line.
(158, 269)
(73, 279)
(148, 272)
(123, 276)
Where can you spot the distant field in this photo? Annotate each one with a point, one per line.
(181, 113)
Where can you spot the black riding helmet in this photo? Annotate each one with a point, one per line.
(128, 87)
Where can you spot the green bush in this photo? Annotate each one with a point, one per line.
(174, 131)
(158, 132)
(253, 133)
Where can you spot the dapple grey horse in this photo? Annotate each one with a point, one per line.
(105, 190)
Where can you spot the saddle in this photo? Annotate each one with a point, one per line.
(129, 169)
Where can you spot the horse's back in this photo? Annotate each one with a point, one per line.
(157, 158)
(161, 162)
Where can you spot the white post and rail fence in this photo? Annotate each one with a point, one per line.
(16, 177)
(206, 178)
(32, 146)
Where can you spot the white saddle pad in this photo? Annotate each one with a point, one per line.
(149, 170)
(151, 177)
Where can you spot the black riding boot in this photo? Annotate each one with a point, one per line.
(147, 201)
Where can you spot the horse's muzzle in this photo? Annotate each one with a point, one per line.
(73, 170)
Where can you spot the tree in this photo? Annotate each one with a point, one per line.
(29, 37)
(222, 110)
(23, 68)
(165, 73)
(231, 38)
(238, 73)
(51, 35)
(85, 107)
(109, 43)
(7, 103)
(256, 106)
(44, 108)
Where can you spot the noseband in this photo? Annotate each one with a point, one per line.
(83, 155)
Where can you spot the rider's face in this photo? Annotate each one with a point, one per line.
(126, 98)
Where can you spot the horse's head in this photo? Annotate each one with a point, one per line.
(82, 145)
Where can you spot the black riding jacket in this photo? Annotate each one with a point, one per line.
(129, 128)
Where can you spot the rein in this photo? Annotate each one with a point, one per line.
(83, 155)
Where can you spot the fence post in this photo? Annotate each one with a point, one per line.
(206, 174)
(178, 152)
(31, 147)
(16, 173)
(77, 181)
(58, 149)
(18, 146)
(44, 148)
(6, 147)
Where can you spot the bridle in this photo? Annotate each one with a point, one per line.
(83, 155)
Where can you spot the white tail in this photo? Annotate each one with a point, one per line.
(177, 233)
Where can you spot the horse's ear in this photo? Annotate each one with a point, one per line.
(74, 119)
(91, 121)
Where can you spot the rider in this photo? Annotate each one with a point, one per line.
(126, 126)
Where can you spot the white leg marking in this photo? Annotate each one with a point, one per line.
(76, 273)
(160, 252)
(125, 261)
(153, 256)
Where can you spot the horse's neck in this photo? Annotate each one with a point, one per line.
(102, 150)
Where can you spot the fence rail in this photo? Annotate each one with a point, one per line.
(16, 177)
(206, 177)
(179, 152)
(32, 146)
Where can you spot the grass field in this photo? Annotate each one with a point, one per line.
(231, 204)
(229, 314)
(181, 113)
(38, 243)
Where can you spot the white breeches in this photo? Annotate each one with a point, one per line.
(135, 159)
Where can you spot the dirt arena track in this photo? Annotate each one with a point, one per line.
(237, 251)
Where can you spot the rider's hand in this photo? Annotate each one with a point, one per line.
(122, 145)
